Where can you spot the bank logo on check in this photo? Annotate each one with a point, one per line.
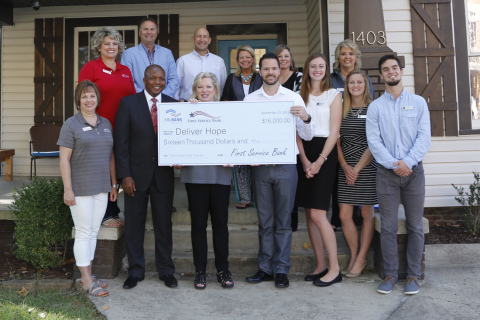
(201, 113)
(175, 116)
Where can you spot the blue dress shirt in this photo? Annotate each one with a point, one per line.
(398, 129)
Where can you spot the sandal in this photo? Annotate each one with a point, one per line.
(98, 282)
(111, 223)
(200, 280)
(241, 205)
(120, 222)
(96, 291)
(223, 277)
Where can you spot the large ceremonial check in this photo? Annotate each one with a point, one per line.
(220, 133)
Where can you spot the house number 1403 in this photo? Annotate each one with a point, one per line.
(370, 38)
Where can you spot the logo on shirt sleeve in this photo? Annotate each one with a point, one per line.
(107, 130)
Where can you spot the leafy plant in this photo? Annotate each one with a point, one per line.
(44, 220)
(471, 204)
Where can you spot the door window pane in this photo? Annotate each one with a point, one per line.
(474, 25)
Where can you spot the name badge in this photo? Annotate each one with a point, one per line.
(360, 116)
(87, 128)
(407, 108)
(106, 130)
(107, 71)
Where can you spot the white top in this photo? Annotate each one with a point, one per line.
(305, 131)
(191, 64)
(319, 108)
(149, 100)
(245, 89)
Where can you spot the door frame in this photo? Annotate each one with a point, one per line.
(278, 29)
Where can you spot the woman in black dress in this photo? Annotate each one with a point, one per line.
(317, 166)
(238, 85)
(356, 178)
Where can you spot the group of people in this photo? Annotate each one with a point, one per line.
(372, 150)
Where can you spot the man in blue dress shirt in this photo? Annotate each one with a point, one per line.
(147, 53)
(398, 134)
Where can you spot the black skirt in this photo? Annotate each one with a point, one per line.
(316, 192)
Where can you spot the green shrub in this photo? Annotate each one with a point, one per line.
(471, 204)
(44, 220)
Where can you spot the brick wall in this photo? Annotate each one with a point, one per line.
(445, 216)
(6, 232)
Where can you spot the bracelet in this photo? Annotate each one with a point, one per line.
(323, 157)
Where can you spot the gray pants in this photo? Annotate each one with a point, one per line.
(390, 189)
(274, 188)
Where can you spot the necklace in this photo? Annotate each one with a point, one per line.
(356, 113)
(114, 64)
(246, 78)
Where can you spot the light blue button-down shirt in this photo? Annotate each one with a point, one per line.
(398, 129)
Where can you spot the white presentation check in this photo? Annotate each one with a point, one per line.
(219, 133)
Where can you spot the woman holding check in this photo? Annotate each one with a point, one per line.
(208, 190)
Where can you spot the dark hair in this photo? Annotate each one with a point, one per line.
(268, 55)
(147, 19)
(86, 86)
(388, 57)
(306, 83)
(278, 49)
(152, 66)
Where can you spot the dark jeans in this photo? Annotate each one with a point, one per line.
(202, 199)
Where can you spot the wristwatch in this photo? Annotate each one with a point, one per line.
(308, 120)
(116, 186)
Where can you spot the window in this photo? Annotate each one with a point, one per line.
(473, 20)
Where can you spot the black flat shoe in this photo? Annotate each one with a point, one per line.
(223, 277)
(281, 280)
(131, 282)
(170, 280)
(259, 277)
(200, 281)
(320, 283)
(313, 277)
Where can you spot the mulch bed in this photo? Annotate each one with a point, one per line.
(450, 234)
(12, 268)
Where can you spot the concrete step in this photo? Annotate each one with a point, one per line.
(241, 238)
(303, 261)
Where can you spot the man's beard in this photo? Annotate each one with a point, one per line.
(270, 83)
(393, 83)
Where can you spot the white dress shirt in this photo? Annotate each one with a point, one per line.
(305, 131)
(150, 102)
(190, 65)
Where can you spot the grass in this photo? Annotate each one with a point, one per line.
(47, 305)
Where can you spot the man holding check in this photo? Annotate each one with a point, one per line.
(275, 185)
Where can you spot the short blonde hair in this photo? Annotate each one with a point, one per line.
(250, 50)
(347, 43)
(86, 86)
(99, 36)
(347, 97)
(199, 78)
(278, 49)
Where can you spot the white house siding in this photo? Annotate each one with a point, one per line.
(18, 53)
(314, 26)
(450, 159)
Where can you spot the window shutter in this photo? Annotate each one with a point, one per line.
(433, 60)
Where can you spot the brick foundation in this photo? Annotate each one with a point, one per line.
(402, 256)
(7, 227)
(445, 216)
(108, 258)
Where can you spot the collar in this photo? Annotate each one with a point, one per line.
(200, 56)
(390, 97)
(149, 97)
(82, 120)
(281, 90)
(146, 49)
(104, 66)
(338, 73)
